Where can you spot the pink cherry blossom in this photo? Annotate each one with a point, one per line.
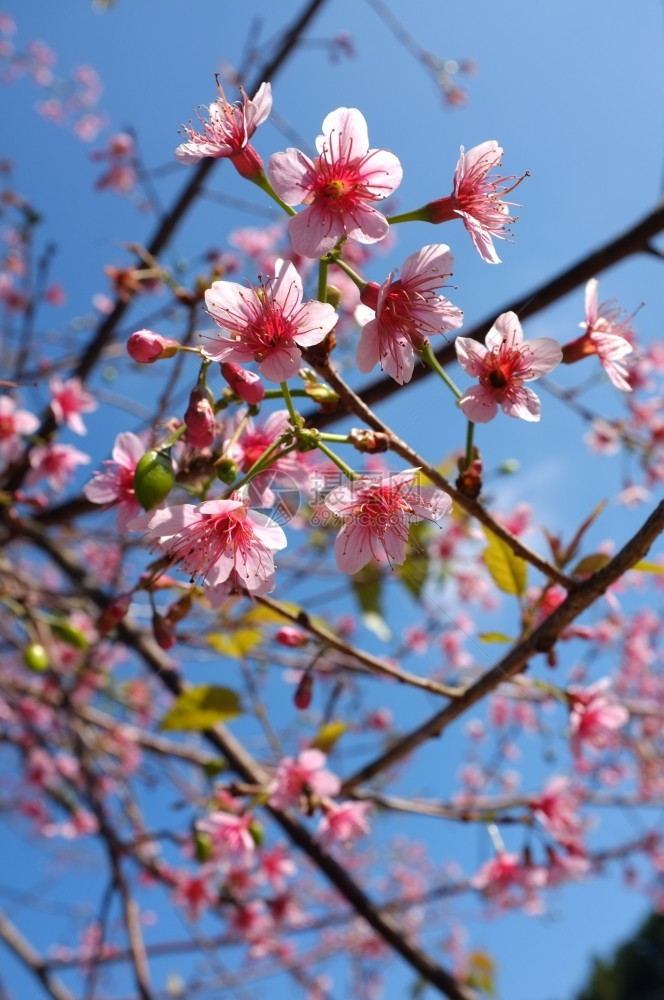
(290, 471)
(509, 883)
(14, 424)
(228, 131)
(557, 809)
(68, 400)
(229, 834)
(115, 486)
(298, 777)
(608, 334)
(218, 540)
(408, 312)
(594, 716)
(339, 187)
(195, 892)
(502, 367)
(56, 463)
(267, 326)
(476, 199)
(343, 822)
(378, 513)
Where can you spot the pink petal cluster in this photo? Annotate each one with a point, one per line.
(290, 471)
(343, 822)
(229, 834)
(228, 131)
(608, 334)
(476, 199)
(68, 400)
(594, 716)
(408, 312)
(300, 777)
(339, 187)
(56, 463)
(378, 513)
(267, 326)
(115, 486)
(502, 366)
(219, 541)
(557, 809)
(509, 883)
(14, 423)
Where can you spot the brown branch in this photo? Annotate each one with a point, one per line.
(634, 240)
(541, 640)
(250, 771)
(167, 228)
(32, 959)
(372, 663)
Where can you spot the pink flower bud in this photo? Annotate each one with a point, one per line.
(199, 418)
(145, 347)
(113, 613)
(369, 295)
(304, 691)
(163, 632)
(245, 384)
(288, 635)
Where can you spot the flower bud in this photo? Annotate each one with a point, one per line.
(288, 635)
(199, 418)
(245, 384)
(153, 478)
(145, 347)
(227, 471)
(163, 632)
(113, 613)
(304, 691)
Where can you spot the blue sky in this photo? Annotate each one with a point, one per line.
(572, 91)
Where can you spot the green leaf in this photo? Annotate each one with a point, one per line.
(235, 644)
(590, 564)
(494, 637)
(327, 736)
(202, 708)
(414, 571)
(648, 567)
(508, 571)
(367, 589)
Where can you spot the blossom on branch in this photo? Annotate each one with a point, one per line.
(68, 400)
(408, 311)
(339, 187)
(228, 131)
(218, 540)
(14, 424)
(301, 777)
(594, 716)
(502, 366)
(378, 513)
(608, 334)
(268, 325)
(116, 484)
(476, 199)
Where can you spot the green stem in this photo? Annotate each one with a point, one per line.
(340, 464)
(469, 444)
(262, 463)
(295, 418)
(430, 358)
(322, 280)
(263, 183)
(417, 215)
(353, 275)
(337, 438)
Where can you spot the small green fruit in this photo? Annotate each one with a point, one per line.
(153, 478)
(36, 657)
